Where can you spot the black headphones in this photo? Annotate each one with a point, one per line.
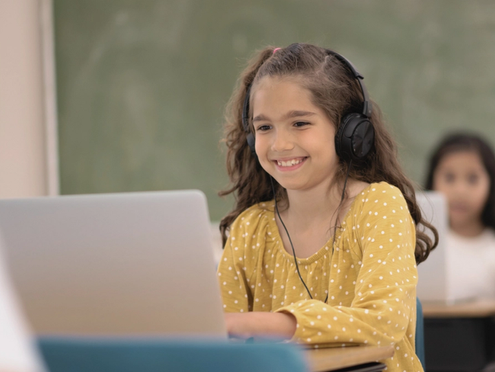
(354, 138)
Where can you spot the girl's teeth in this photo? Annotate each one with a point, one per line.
(289, 163)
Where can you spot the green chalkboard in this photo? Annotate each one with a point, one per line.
(142, 84)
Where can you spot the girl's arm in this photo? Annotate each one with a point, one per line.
(382, 306)
(261, 324)
(237, 282)
(233, 275)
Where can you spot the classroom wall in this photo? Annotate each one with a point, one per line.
(142, 84)
(28, 146)
(22, 134)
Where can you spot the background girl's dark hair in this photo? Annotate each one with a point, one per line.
(335, 90)
(463, 141)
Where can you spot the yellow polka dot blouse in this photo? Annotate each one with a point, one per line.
(370, 277)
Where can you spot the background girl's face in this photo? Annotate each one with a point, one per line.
(462, 177)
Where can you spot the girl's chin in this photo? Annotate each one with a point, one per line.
(460, 220)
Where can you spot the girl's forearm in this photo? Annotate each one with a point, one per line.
(261, 324)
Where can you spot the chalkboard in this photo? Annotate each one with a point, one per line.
(142, 84)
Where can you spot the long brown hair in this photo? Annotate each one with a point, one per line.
(337, 93)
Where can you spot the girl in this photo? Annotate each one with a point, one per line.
(463, 168)
(322, 245)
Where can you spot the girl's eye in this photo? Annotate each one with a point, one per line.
(262, 128)
(473, 179)
(449, 177)
(300, 124)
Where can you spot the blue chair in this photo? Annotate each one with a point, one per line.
(72, 354)
(420, 333)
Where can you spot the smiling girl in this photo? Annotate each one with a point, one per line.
(462, 167)
(321, 247)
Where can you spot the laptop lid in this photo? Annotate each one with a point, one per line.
(114, 264)
(432, 273)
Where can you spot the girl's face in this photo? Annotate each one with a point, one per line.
(462, 177)
(294, 138)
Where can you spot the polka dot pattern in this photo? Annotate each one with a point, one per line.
(370, 277)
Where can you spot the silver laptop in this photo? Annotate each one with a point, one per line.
(114, 264)
(434, 284)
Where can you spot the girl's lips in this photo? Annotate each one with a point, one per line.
(289, 164)
(459, 208)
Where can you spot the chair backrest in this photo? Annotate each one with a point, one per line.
(420, 334)
(65, 354)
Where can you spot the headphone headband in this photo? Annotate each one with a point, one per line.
(245, 110)
(250, 138)
(358, 77)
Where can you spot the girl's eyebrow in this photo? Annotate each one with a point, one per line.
(289, 115)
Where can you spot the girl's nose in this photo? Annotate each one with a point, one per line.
(282, 141)
(461, 188)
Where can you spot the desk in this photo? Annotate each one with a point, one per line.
(473, 309)
(459, 337)
(333, 359)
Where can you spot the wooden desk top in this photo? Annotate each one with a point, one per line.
(472, 309)
(329, 359)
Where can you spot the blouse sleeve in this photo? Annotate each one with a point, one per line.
(385, 290)
(238, 262)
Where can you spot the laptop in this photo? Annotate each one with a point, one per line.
(114, 264)
(434, 285)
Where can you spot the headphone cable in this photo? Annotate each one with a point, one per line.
(290, 240)
(287, 231)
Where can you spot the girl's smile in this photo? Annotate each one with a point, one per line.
(285, 165)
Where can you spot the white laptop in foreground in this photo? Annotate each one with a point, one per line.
(435, 283)
(114, 264)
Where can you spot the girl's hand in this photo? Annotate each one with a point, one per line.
(261, 325)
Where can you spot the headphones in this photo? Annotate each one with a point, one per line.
(355, 136)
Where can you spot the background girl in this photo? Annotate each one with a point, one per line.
(463, 168)
(322, 245)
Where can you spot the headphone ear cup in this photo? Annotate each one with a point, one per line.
(354, 138)
(363, 139)
(338, 139)
(251, 142)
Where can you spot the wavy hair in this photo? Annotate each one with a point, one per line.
(333, 89)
